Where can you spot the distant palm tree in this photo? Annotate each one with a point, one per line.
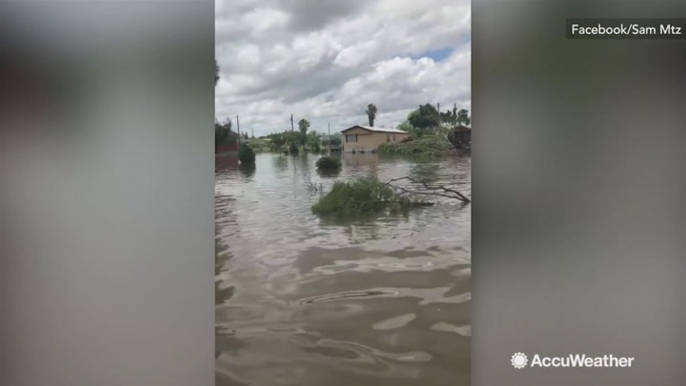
(216, 72)
(371, 113)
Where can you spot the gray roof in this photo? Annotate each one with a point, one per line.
(378, 129)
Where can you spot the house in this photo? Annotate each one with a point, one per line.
(461, 136)
(225, 142)
(331, 142)
(367, 139)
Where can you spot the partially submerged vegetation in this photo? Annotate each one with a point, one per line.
(328, 164)
(430, 132)
(434, 145)
(367, 197)
(246, 154)
(360, 198)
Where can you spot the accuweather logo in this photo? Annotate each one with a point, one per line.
(520, 360)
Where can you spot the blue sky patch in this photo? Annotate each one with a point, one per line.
(436, 55)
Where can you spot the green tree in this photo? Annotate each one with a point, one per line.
(303, 125)
(371, 113)
(425, 117)
(277, 141)
(314, 142)
(406, 126)
(463, 117)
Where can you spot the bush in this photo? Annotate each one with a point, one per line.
(246, 154)
(293, 149)
(360, 198)
(427, 146)
(328, 163)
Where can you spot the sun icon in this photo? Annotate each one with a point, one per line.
(519, 360)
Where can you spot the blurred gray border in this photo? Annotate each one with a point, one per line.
(106, 193)
(578, 187)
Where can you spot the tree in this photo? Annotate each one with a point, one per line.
(447, 117)
(227, 124)
(216, 72)
(371, 113)
(277, 141)
(425, 117)
(463, 117)
(314, 142)
(221, 132)
(406, 126)
(303, 125)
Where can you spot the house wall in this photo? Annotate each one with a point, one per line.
(369, 141)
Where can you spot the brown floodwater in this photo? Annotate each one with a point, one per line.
(302, 301)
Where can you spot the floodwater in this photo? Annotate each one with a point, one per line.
(301, 301)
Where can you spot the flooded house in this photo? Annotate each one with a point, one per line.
(362, 139)
(461, 137)
(225, 141)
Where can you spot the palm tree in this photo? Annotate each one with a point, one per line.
(216, 72)
(371, 113)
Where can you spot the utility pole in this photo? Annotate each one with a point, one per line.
(292, 131)
(329, 129)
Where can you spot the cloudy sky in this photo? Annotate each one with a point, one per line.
(325, 60)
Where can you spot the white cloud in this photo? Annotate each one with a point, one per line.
(325, 60)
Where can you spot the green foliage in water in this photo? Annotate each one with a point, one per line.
(246, 154)
(364, 197)
(293, 149)
(427, 146)
(328, 163)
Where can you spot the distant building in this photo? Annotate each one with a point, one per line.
(367, 139)
(461, 137)
(331, 142)
(225, 142)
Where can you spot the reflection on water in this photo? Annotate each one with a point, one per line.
(306, 302)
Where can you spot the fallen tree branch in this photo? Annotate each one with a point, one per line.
(457, 195)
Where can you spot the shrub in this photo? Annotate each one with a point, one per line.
(246, 154)
(426, 146)
(328, 163)
(360, 198)
(293, 149)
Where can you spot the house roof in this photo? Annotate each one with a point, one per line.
(462, 128)
(376, 129)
